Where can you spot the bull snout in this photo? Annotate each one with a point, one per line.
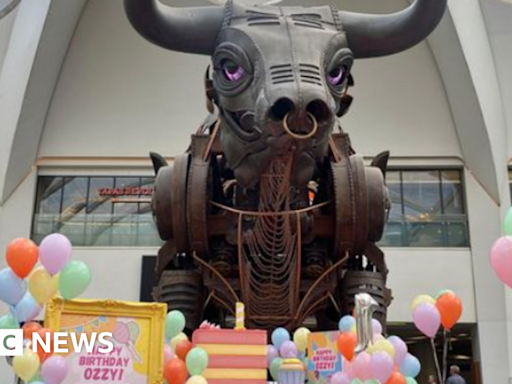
(301, 122)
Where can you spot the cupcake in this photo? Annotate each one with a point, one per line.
(292, 371)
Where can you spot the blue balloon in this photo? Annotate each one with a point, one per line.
(279, 337)
(27, 309)
(346, 323)
(12, 288)
(410, 366)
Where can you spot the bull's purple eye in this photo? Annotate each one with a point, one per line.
(232, 70)
(336, 76)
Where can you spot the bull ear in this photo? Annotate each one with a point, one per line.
(189, 29)
(381, 161)
(158, 161)
(381, 35)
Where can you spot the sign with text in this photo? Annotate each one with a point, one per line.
(324, 359)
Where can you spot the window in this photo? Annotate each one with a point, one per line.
(96, 211)
(428, 209)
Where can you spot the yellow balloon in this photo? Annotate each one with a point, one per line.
(300, 338)
(422, 299)
(197, 380)
(42, 286)
(382, 346)
(26, 366)
(177, 339)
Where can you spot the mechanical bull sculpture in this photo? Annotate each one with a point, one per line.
(270, 205)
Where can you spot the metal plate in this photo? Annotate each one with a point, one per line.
(179, 202)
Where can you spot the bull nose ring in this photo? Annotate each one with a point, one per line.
(298, 136)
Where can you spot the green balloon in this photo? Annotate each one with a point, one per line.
(373, 381)
(197, 361)
(275, 366)
(37, 379)
(356, 381)
(410, 380)
(174, 324)
(74, 279)
(507, 223)
(8, 322)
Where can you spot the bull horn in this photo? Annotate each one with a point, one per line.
(189, 29)
(381, 35)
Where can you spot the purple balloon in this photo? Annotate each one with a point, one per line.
(401, 349)
(272, 353)
(427, 319)
(382, 366)
(55, 252)
(340, 378)
(54, 370)
(288, 350)
(376, 327)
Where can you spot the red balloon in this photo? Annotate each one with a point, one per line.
(347, 343)
(29, 329)
(396, 378)
(450, 308)
(175, 371)
(22, 256)
(182, 349)
(40, 351)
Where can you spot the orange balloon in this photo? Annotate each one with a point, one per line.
(396, 378)
(450, 308)
(347, 343)
(175, 371)
(40, 351)
(182, 349)
(22, 256)
(29, 329)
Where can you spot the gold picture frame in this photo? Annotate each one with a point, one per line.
(147, 318)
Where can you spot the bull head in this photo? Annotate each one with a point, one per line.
(280, 73)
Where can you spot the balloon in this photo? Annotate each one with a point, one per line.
(174, 324)
(396, 378)
(507, 223)
(410, 380)
(197, 380)
(182, 349)
(501, 259)
(42, 286)
(422, 299)
(74, 279)
(450, 308)
(134, 331)
(400, 349)
(55, 252)
(356, 381)
(27, 309)
(197, 361)
(346, 323)
(372, 381)
(279, 336)
(382, 366)
(8, 322)
(121, 333)
(168, 354)
(275, 367)
(340, 378)
(384, 346)
(272, 353)
(411, 366)
(442, 292)
(12, 288)
(54, 370)
(29, 329)
(175, 340)
(175, 372)
(365, 306)
(26, 366)
(300, 338)
(21, 256)
(43, 332)
(347, 345)
(362, 366)
(376, 327)
(288, 350)
(427, 319)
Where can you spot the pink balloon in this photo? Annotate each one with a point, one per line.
(288, 350)
(121, 333)
(401, 349)
(340, 378)
(361, 365)
(382, 366)
(376, 326)
(55, 252)
(501, 259)
(377, 337)
(168, 354)
(348, 369)
(54, 370)
(427, 319)
(272, 353)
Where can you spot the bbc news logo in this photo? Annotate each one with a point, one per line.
(12, 343)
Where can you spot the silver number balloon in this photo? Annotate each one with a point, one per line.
(365, 307)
